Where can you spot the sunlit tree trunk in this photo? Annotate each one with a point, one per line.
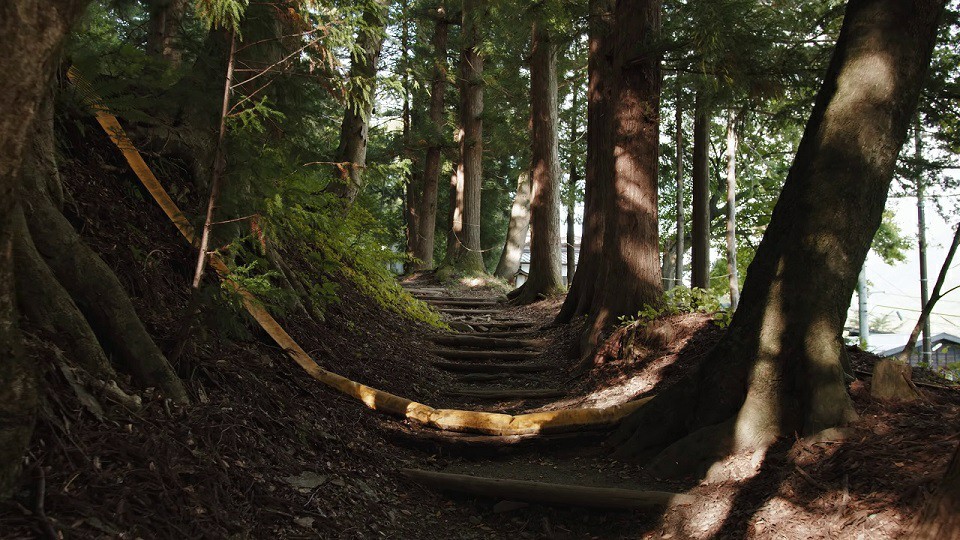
(469, 257)
(598, 164)
(572, 181)
(517, 231)
(778, 370)
(546, 277)
(631, 239)
(732, 275)
(700, 256)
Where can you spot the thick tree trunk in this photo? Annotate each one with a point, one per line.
(91, 283)
(469, 258)
(517, 230)
(427, 205)
(31, 33)
(599, 162)
(631, 238)
(700, 256)
(778, 370)
(354, 130)
(941, 515)
(163, 33)
(732, 275)
(546, 276)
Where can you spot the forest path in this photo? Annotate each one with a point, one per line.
(505, 361)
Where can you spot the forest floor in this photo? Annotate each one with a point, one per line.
(266, 451)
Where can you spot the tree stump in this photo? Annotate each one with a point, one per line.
(893, 380)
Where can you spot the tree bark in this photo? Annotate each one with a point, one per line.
(700, 256)
(163, 33)
(31, 34)
(427, 205)
(469, 258)
(631, 238)
(546, 276)
(732, 275)
(681, 226)
(351, 154)
(455, 211)
(778, 370)
(599, 162)
(517, 230)
(572, 182)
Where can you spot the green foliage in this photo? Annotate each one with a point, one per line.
(224, 14)
(681, 300)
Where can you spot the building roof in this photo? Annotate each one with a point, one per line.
(890, 344)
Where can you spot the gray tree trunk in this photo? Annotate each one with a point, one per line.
(700, 256)
(517, 230)
(733, 277)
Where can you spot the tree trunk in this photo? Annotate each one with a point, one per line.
(599, 162)
(778, 370)
(681, 226)
(700, 256)
(427, 205)
(546, 276)
(163, 33)
(90, 282)
(469, 258)
(940, 518)
(455, 211)
(31, 33)
(732, 275)
(631, 238)
(354, 130)
(517, 230)
(572, 181)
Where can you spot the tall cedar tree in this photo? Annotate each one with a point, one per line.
(466, 255)
(631, 238)
(546, 276)
(517, 230)
(778, 370)
(599, 162)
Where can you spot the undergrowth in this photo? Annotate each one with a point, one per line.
(681, 300)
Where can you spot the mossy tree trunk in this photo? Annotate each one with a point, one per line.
(778, 370)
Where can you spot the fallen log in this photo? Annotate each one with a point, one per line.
(457, 354)
(465, 367)
(484, 342)
(506, 394)
(544, 493)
